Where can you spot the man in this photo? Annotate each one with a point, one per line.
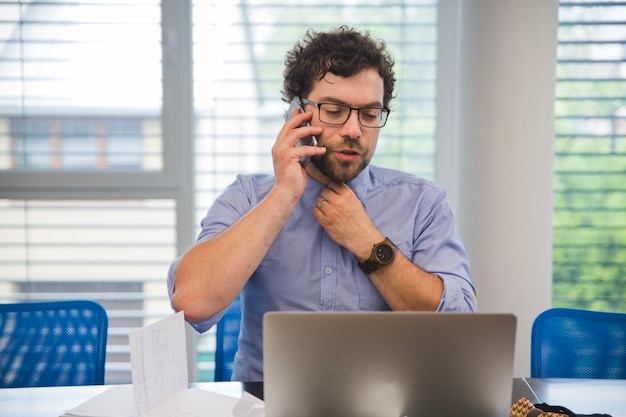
(332, 234)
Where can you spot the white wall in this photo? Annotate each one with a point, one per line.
(501, 143)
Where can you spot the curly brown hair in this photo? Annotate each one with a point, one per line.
(343, 52)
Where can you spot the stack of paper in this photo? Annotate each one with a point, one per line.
(160, 384)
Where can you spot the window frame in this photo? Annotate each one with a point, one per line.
(172, 182)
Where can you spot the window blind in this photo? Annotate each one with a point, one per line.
(111, 251)
(80, 100)
(80, 86)
(590, 159)
(239, 49)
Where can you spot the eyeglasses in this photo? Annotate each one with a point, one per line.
(338, 114)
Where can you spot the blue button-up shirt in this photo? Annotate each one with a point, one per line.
(305, 269)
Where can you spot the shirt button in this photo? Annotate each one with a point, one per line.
(328, 270)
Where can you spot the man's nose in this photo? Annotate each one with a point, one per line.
(352, 127)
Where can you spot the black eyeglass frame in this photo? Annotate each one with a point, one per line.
(384, 113)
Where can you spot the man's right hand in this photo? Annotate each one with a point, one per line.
(288, 170)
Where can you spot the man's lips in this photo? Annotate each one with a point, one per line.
(347, 155)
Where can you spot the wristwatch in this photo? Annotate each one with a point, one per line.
(382, 254)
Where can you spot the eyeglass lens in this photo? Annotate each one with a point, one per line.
(339, 114)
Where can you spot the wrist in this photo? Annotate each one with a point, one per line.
(284, 195)
(381, 255)
(364, 251)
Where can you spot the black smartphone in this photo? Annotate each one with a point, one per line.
(307, 140)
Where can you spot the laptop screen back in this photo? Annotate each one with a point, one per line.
(388, 364)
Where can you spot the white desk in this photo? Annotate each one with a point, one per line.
(54, 401)
(581, 396)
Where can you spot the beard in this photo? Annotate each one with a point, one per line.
(339, 171)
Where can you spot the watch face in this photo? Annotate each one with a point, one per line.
(384, 253)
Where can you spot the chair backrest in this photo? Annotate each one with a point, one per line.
(227, 335)
(53, 343)
(571, 343)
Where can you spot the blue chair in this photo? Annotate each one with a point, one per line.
(227, 335)
(56, 343)
(571, 343)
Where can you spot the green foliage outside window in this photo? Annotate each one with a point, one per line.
(589, 256)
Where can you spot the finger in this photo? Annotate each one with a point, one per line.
(320, 203)
(331, 190)
(299, 119)
(335, 187)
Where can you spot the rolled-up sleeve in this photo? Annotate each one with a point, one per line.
(438, 249)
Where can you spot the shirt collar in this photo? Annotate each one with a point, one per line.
(359, 185)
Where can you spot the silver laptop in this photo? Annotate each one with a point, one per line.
(388, 364)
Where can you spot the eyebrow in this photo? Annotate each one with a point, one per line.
(374, 104)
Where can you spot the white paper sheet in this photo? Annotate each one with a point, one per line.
(117, 401)
(158, 362)
(249, 406)
(158, 356)
(195, 402)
